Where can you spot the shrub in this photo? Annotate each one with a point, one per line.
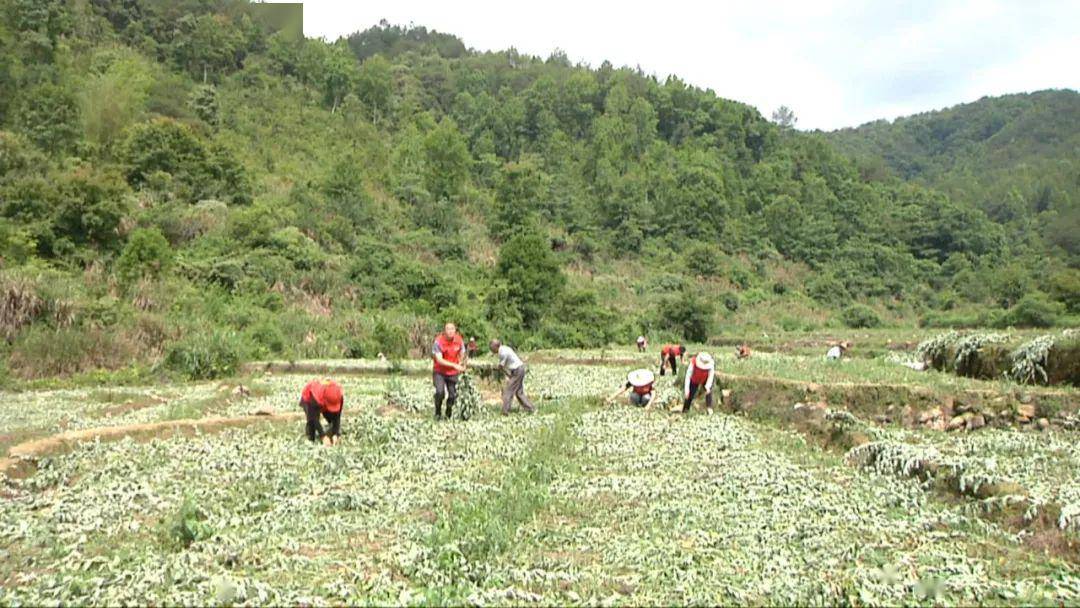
(578, 321)
(44, 352)
(146, 254)
(1065, 288)
(165, 146)
(957, 319)
(266, 338)
(701, 260)
(688, 316)
(1033, 310)
(205, 356)
(391, 339)
(859, 316)
(827, 289)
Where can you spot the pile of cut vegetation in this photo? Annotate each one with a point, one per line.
(1048, 359)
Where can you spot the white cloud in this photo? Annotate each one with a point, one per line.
(835, 62)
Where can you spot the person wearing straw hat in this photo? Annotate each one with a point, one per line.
(640, 384)
(699, 374)
(837, 350)
(322, 397)
(642, 344)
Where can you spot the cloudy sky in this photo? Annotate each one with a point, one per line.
(837, 63)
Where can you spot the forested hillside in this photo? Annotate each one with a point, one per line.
(179, 185)
(1016, 157)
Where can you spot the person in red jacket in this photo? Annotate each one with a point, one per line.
(323, 397)
(699, 375)
(448, 355)
(667, 357)
(640, 384)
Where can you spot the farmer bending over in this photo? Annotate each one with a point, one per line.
(699, 374)
(667, 357)
(642, 344)
(640, 384)
(448, 353)
(837, 350)
(515, 370)
(323, 397)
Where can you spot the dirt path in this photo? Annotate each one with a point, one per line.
(20, 458)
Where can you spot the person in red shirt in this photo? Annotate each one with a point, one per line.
(699, 375)
(667, 357)
(323, 397)
(448, 355)
(640, 384)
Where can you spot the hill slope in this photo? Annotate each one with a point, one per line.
(179, 184)
(1016, 157)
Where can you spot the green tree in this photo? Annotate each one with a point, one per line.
(447, 161)
(339, 74)
(165, 146)
(114, 95)
(520, 187)
(784, 117)
(375, 86)
(207, 46)
(48, 115)
(532, 275)
(88, 206)
(204, 103)
(687, 315)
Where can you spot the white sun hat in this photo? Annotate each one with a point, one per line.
(704, 361)
(640, 377)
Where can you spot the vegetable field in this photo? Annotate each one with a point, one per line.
(579, 504)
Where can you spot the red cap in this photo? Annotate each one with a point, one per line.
(332, 396)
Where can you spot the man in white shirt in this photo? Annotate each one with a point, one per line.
(837, 350)
(515, 369)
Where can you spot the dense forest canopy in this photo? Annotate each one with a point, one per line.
(179, 184)
(1017, 158)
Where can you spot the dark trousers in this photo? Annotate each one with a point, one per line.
(445, 388)
(693, 393)
(673, 362)
(314, 428)
(515, 387)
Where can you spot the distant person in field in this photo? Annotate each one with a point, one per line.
(322, 398)
(667, 357)
(448, 355)
(515, 370)
(837, 351)
(742, 351)
(472, 348)
(699, 376)
(640, 383)
(642, 344)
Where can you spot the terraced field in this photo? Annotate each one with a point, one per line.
(580, 504)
